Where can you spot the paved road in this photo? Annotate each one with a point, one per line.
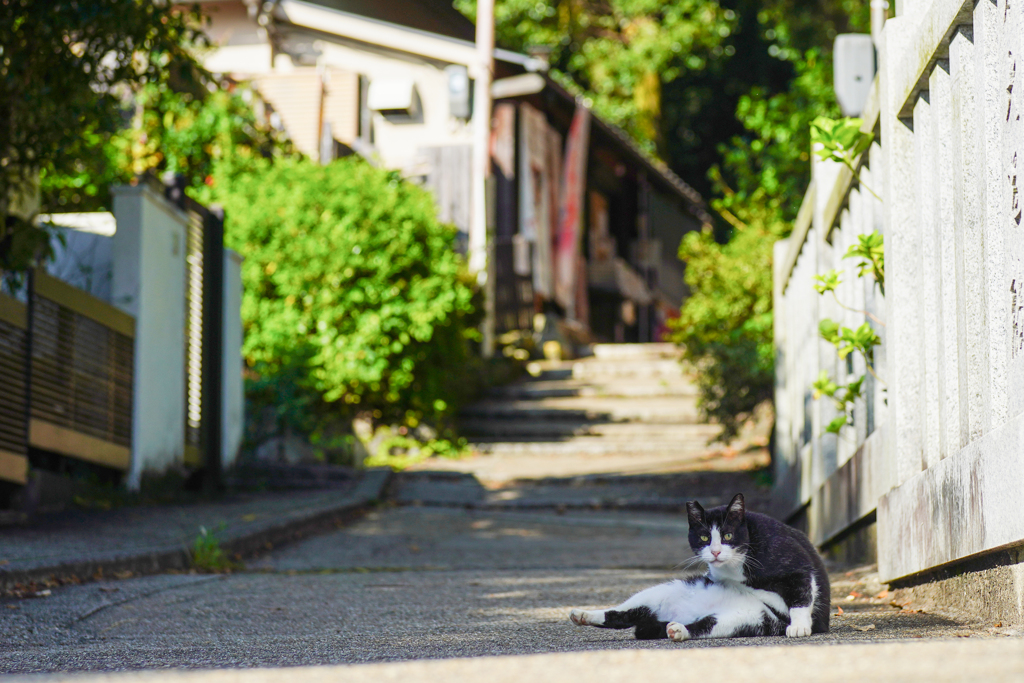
(403, 583)
(476, 581)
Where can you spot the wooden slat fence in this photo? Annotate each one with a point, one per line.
(79, 381)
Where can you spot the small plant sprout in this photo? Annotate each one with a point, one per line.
(843, 141)
(207, 555)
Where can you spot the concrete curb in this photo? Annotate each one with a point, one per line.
(369, 490)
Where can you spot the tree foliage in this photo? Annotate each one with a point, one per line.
(760, 183)
(620, 53)
(62, 65)
(187, 133)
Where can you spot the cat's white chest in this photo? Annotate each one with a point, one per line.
(727, 574)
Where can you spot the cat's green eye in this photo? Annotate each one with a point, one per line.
(727, 537)
(703, 538)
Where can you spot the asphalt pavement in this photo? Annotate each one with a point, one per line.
(415, 583)
(469, 574)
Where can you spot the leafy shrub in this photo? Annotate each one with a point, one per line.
(725, 326)
(353, 289)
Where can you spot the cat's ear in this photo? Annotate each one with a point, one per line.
(695, 513)
(737, 510)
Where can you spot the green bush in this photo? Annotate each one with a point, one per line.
(725, 326)
(354, 293)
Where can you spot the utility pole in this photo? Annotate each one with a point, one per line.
(479, 262)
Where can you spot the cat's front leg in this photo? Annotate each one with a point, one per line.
(801, 609)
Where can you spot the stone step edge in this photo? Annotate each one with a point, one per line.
(664, 505)
(371, 490)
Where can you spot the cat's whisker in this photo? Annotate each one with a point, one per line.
(689, 562)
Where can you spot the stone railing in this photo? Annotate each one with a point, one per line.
(829, 482)
(942, 470)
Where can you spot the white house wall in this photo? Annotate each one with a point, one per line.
(243, 51)
(398, 144)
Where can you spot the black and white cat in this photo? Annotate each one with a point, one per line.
(764, 579)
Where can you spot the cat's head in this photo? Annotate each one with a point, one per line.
(719, 536)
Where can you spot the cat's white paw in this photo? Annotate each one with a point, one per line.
(677, 632)
(798, 630)
(799, 622)
(579, 617)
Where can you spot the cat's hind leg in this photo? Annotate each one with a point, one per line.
(639, 611)
(702, 628)
(677, 632)
(582, 617)
(736, 624)
(647, 625)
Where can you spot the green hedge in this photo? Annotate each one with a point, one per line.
(354, 294)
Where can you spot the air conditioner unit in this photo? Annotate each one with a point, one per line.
(396, 99)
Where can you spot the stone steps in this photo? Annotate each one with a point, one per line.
(495, 429)
(630, 408)
(595, 369)
(662, 410)
(635, 351)
(589, 445)
(568, 388)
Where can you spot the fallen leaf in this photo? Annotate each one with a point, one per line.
(13, 607)
(869, 627)
(883, 595)
(414, 548)
(3, 562)
(998, 624)
(840, 612)
(249, 518)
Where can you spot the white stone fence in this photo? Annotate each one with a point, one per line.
(937, 454)
(811, 464)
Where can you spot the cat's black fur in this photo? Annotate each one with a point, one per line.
(780, 558)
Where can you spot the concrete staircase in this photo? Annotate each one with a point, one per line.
(617, 430)
(626, 400)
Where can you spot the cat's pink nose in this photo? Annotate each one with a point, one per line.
(716, 553)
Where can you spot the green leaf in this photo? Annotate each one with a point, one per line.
(870, 249)
(829, 330)
(840, 140)
(827, 282)
(824, 386)
(837, 424)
